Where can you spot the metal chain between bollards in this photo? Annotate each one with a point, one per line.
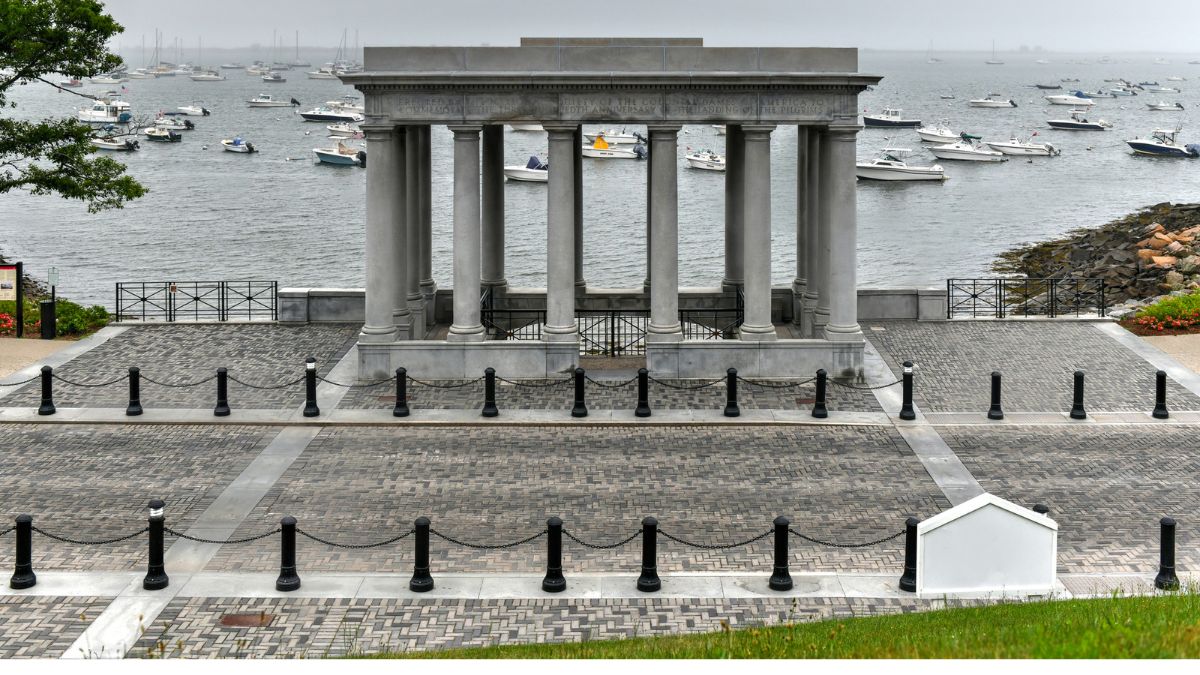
(717, 547)
(487, 547)
(97, 542)
(243, 540)
(773, 385)
(334, 544)
(611, 385)
(292, 383)
(363, 385)
(122, 378)
(687, 387)
(850, 386)
(435, 385)
(180, 385)
(601, 547)
(537, 385)
(22, 382)
(11, 529)
(837, 545)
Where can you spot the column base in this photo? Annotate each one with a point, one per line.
(560, 334)
(820, 320)
(664, 334)
(835, 333)
(808, 307)
(466, 334)
(749, 333)
(798, 288)
(580, 288)
(729, 285)
(403, 324)
(372, 335)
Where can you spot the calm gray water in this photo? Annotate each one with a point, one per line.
(214, 215)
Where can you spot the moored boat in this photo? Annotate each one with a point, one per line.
(1164, 143)
(890, 166)
(196, 109)
(344, 131)
(274, 77)
(105, 111)
(600, 149)
(207, 76)
(161, 135)
(265, 101)
(990, 101)
(341, 155)
(236, 144)
(890, 117)
(1016, 146)
(1075, 98)
(615, 137)
(938, 133)
(1078, 122)
(967, 150)
(518, 126)
(706, 160)
(534, 171)
(1163, 105)
(73, 82)
(330, 115)
(173, 123)
(115, 144)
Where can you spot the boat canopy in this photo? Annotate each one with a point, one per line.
(536, 164)
(600, 143)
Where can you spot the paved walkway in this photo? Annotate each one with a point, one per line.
(358, 475)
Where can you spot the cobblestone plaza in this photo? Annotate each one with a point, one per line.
(708, 479)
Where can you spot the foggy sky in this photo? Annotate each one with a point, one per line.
(1084, 26)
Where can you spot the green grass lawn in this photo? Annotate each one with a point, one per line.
(1118, 627)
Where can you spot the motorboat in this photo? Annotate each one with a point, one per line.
(232, 66)
(207, 76)
(331, 115)
(720, 129)
(706, 160)
(196, 109)
(991, 102)
(1042, 62)
(525, 127)
(105, 111)
(161, 135)
(600, 149)
(1122, 91)
(1162, 90)
(1079, 123)
(348, 103)
(967, 150)
(1048, 86)
(110, 78)
(534, 171)
(341, 155)
(322, 74)
(938, 133)
(1176, 78)
(258, 68)
(1099, 94)
(344, 131)
(274, 76)
(890, 117)
(141, 74)
(73, 82)
(1164, 143)
(1069, 79)
(236, 144)
(1148, 83)
(1075, 98)
(1016, 146)
(173, 123)
(615, 137)
(1163, 105)
(890, 166)
(115, 144)
(947, 97)
(265, 101)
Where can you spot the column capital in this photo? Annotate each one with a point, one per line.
(664, 128)
(559, 127)
(378, 132)
(465, 129)
(757, 132)
(845, 132)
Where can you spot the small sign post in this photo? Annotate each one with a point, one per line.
(10, 289)
(52, 279)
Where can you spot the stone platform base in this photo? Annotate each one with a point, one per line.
(430, 359)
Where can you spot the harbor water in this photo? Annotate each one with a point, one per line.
(276, 215)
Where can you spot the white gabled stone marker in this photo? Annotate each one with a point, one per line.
(986, 546)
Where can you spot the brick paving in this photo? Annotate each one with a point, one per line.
(955, 360)
(94, 482)
(493, 485)
(1106, 487)
(255, 353)
(44, 627)
(311, 628)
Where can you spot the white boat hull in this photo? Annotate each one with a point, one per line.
(526, 175)
(610, 153)
(966, 155)
(525, 127)
(615, 139)
(1032, 150)
(706, 164)
(895, 173)
(990, 104)
(1067, 99)
(336, 158)
(931, 137)
(243, 148)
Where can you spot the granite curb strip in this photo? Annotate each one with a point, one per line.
(1154, 356)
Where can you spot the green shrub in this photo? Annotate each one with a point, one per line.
(73, 318)
(1174, 307)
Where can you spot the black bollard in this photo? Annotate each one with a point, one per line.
(47, 406)
(421, 580)
(23, 576)
(222, 409)
(643, 404)
(995, 412)
(401, 409)
(288, 579)
(908, 580)
(310, 388)
(1042, 509)
(156, 572)
(781, 579)
(489, 393)
(554, 581)
(906, 405)
(649, 582)
(580, 407)
(1077, 411)
(819, 410)
(1160, 396)
(135, 392)
(1166, 579)
(731, 404)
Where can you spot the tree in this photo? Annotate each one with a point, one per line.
(55, 156)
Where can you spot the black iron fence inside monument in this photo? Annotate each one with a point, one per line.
(196, 301)
(1017, 297)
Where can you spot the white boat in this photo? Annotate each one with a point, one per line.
(534, 171)
(232, 66)
(322, 74)
(265, 101)
(525, 127)
(1122, 91)
(236, 144)
(109, 78)
(73, 82)
(600, 149)
(1099, 94)
(994, 61)
(966, 150)
(1163, 105)
(196, 109)
(344, 131)
(330, 115)
(257, 69)
(615, 137)
(1162, 90)
(937, 133)
(141, 74)
(162, 135)
(890, 166)
(115, 144)
(890, 117)
(105, 111)
(1176, 78)
(1079, 123)
(173, 123)
(274, 76)
(1164, 143)
(1016, 146)
(720, 129)
(207, 76)
(347, 103)
(706, 160)
(1075, 99)
(990, 102)
(341, 155)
